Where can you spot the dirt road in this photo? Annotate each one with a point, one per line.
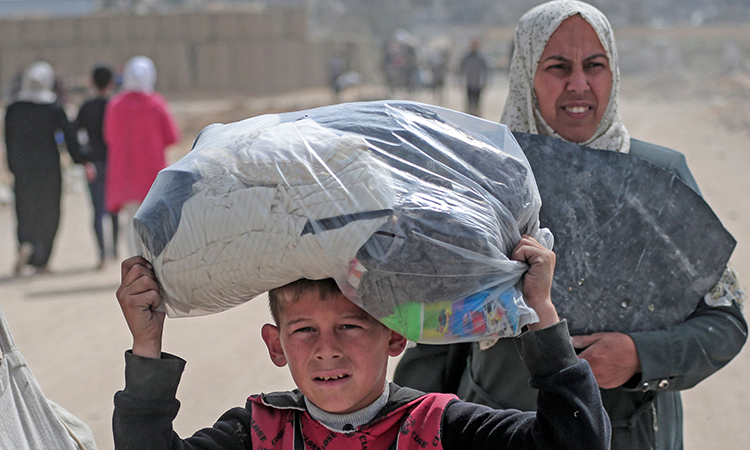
(69, 327)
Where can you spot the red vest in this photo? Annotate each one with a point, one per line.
(413, 426)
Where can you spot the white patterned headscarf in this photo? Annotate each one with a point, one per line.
(139, 75)
(37, 83)
(533, 31)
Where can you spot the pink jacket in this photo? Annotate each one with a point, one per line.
(415, 425)
(138, 128)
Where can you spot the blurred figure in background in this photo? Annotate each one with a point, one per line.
(91, 119)
(138, 128)
(400, 61)
(31, 124)
(438, 69)
(474, 68)
(336, 68)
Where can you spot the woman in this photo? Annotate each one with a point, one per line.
(564, 82)
(31, 123)
(138, 128)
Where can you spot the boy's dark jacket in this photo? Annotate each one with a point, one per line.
(569, 415)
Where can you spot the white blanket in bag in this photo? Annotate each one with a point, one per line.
(241, 233)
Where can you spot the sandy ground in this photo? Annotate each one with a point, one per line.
(69, 327)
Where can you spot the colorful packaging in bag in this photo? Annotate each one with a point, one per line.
(486, 313)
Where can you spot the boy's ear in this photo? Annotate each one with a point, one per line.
(396, 344)
(270, 334)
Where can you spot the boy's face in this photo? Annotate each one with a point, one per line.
(337, 352)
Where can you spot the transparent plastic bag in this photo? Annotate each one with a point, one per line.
(411, 208)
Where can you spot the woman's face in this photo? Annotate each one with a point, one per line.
(573, 80)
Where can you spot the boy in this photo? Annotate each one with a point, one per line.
(337, 354)
(91, 118)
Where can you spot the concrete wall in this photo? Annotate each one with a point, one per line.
(248, 52)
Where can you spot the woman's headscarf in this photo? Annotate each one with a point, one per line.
(139, 75)
(533, 31)
(37, 83)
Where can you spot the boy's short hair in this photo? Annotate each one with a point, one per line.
(102, 76)
(295, 290)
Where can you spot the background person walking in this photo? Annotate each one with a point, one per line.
(474, 68)
(31, 123)
(138, 128)
(91, 119)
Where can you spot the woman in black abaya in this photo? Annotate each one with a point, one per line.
(31, 123)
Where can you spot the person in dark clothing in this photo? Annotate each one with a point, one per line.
(474, 67)
(31, 123)
(337, 354)
(91, 119)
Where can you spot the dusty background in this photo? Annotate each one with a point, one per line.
(69, 327)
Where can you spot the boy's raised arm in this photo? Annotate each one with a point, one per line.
(139, 297)
(569, 413)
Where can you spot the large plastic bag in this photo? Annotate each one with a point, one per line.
(411, 208)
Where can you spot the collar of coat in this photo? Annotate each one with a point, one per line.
(398, 397)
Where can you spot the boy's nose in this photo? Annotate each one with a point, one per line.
(328, 346)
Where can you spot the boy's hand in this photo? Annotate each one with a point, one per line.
(537, 282)
(139, 297)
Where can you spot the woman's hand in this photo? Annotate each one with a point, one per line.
(612, 356)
